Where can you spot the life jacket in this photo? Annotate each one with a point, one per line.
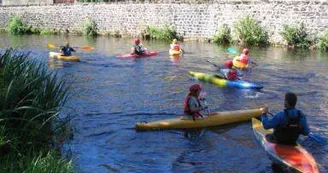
(67, 51)
(176, 47)
(187, 110)
(138, 50)
(244, 59)
(232, 75)
(290, 132)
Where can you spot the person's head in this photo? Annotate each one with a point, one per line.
(175, 41)
(290, 100)
(245, 51)
(67, 44)
(137, 41)
(195, 89)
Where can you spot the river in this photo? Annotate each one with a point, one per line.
(109, 95)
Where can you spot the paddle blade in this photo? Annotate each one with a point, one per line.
(51, 45)
(232, 50)
(88, 48)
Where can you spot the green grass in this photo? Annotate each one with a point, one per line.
(249, 32)
(29, 112)
(49, 32)
(323, 41)
(166, 33)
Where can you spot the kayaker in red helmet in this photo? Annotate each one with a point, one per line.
(138, 48)
(192, 104)
(244, 59)
(231, 73)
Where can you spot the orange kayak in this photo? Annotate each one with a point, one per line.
(295, 158)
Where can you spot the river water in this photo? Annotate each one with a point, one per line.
(109, 95)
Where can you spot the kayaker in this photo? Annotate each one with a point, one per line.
(66, 50)
(175, 45)
(138, 48)
(192, 103)
(231, 73)
(288, 124)
(244, 58)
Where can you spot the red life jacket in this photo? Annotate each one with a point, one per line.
(232, 75)
(187, 110)
(244, 59)
(176, 47)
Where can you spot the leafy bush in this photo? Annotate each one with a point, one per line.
(89, 28)
(223, 35)
(249, 32)
(165, 33)
(16, 26)
(323, 41)
(49, 32)
(295, 35)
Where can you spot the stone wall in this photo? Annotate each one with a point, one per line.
(190, 20)
(26, 2)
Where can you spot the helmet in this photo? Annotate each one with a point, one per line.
(245, 51)
(67, 44)
(175, 41)
(229, 63)
(137, 41)
(195, 87)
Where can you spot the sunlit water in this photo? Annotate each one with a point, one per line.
(109, 95)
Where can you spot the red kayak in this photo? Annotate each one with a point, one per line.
(148, 54)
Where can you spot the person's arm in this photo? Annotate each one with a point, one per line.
(306, 129)
(73, 50)
(273, 122)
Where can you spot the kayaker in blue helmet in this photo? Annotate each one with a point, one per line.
(288, 124)
(192, 105)
(66, 50)
(138, 48)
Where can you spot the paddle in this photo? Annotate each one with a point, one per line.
(86, 48)
(212, 63)
(315, 137)
(202, 98)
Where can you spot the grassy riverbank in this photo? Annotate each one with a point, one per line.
(31, 131)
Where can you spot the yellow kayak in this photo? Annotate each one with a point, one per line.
(214, 119)
(59, 56)
(175, 52)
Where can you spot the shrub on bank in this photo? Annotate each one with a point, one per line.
(165, 33)
(90, 28)
(249, 32)
(223, 35)
(323, 41)
(296, 36)
(16, 26)
(49, 32)
(29, 110)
